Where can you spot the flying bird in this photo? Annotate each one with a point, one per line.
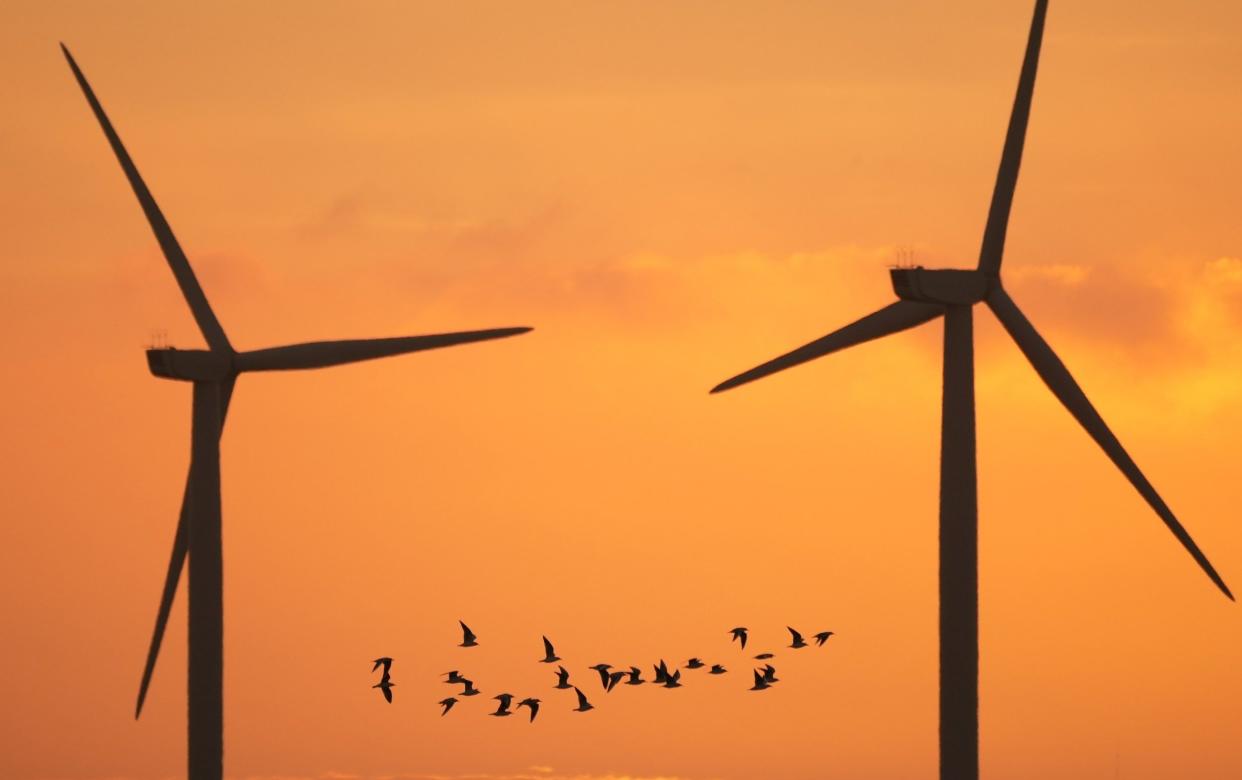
(661, 673)
(454, 677)
(822, 637)
(764, 656)
(504, 699)
(739, 634)
(694, 663)
(760, 683)
(470, 690)
(636, 676)
(385, 684)
(603, 673)
(468, 639)
(613, 679)
(769, 674)
(797, 639)
(674, 680)
(562, 678)
(583, 704)
(717, 669)
(549, 655)
(447, 704)
(534, 707)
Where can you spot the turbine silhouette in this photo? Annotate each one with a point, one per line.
(213, 372)
(925, 294)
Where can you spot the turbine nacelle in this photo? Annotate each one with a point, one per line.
(190, 365)
(949, 286)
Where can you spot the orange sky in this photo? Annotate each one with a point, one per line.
(669, 193)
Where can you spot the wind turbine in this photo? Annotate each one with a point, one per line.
(213, 372)
(925, 294)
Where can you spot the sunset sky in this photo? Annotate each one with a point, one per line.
(669, 193)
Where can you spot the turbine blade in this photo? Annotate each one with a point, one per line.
(1057, 377)
(176, 563)
(891, 319)
(319, 354)
(1011, 158)
(203, 315)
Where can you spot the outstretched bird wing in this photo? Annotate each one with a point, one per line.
(534, 707)
(467, 636)
(547, 648)
(797, 638)
(387, 691)
(582, 699)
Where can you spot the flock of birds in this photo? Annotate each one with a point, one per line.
(609, 677)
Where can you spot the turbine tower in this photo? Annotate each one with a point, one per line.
(213, 372)
(925, 294)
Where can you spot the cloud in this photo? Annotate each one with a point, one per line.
(1115, 308)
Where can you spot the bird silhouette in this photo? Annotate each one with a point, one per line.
(636, 676)
(764, 656)
(760, 683)
(694, 663)
(797, 639)
(661, 673)
(769, 674)
(470, 690)
(503, 709)
(534, 707)
(549, 655)
(562, 678)
(447, 704)
(822, 637)
(454, 677)
(717, 669)
(674, 680)
(739, 634)
(468, 639)
(583, 704)
(613, 679)
(603, 673)
(385, 688)
(385, 684)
